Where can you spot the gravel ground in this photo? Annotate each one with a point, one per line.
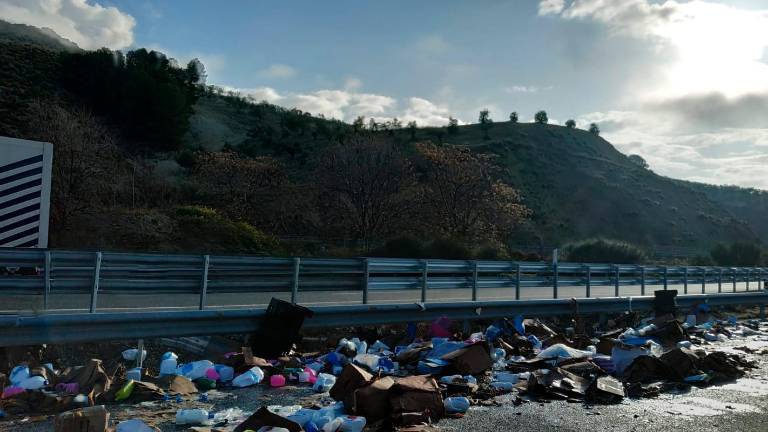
(738, 406)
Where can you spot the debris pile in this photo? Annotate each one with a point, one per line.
(396, 380)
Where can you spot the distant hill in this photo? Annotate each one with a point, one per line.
(577, 184)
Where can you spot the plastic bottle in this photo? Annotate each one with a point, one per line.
(133, 374)
(192, 417)
(252, 376)
(33, 383)
(324, 383)
(456, 405)
(194, 370)
(371, 361)
(19, 374)
(311, 427)
(498, 354)
(333, 425)
(168, 364)
(502, 385)
(351, 423)
(131, 354)
(226, 373)
(302, 416)
(506, 377)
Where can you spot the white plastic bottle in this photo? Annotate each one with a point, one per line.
(168, 364)
(351, 423)
(34, 383)
(19, 374)
(252, 376)
(195, 369)
(131, 354)
(226, 373)
(192, 417)
(458, 404)
(324, 383)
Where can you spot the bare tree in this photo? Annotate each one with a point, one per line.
(367, 186)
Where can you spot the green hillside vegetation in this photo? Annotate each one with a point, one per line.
(153, 142)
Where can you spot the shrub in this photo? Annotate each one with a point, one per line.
(448, 249)
(401, 247)
(737, 254)
(604, 251)
(203, 228)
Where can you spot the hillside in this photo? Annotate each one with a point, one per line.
(576, 184)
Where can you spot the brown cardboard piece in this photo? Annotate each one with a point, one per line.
(351, 379)
(89, 419)
(263, 417)
(372, 401)
(471, 360)
(414, 397)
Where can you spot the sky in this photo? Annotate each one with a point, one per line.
(682, 83)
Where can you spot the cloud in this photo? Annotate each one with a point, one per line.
(425, 113)
(715, 110)
(525, 89)
(432, 44)
(88, 24)
(352, 83)
(278, 71)
(547, 7)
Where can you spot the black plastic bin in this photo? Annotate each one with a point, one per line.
(664, 302)
(279, 329)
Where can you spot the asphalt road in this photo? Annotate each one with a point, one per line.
(115, 302)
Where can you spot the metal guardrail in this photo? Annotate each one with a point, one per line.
(30, 272)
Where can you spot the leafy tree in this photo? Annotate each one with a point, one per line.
(453, 126)
(144, 92)
(638, 160)
(366, 187)
(359, 123)
(737, 254)
(485, 123)
(513, 117)
(570, 124)
(541, 117)
(372, 124)
(461, 199)
(604, 251)
(412, 129)
(594, 129)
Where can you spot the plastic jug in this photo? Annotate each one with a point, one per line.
(168, 364)
(311, 427)
(324, 383)
(502, 385)
(302, 416)
(226, 373)
(131, 354)
(456, 405)
(351, 423)
(19, 374)
(371, 361)
(194, 370)
(506, 377)
(33, 383)
(252, 376)
(133, 374)
(192, 417)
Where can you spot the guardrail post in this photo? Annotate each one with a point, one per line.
(96, 275)
(295, 281)
(666, 277)
(748, 273)
(424, 280)
(474, 281)
(642, 280)
(733, 270)
(204, 282)
(47, 282)
(720, 280)
(589, 280)
(704, 281)
(366, 279)
(517, 282)
(616, 282)
(554, 279)
(685, 280)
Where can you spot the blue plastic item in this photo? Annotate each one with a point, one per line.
(517, 321)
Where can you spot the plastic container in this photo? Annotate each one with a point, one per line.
(12, 390)
(250, 377)
(125, 391)
(19, 374)
(371, 361)
(302, 416)
(351, 423)
(212, 374)
(192, 417)
(131, 354)
(327, 414)
(502, 386)
(311, 427)
(506, 377)
(168, 364)
(133, 374)
(308, 376)
(194, 370)
(324, 383)
(277, 381)
(33, 383)
(226, 373)
(456, 405)
(498, 354)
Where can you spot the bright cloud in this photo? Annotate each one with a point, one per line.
(425, 113)
(278, 71)
(86, 23)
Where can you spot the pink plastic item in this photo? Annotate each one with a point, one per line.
(441, 327)
(277, 380)
(10, 391)
(212, 375)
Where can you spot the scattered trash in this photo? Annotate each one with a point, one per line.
(193, 417)
(90, 419)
